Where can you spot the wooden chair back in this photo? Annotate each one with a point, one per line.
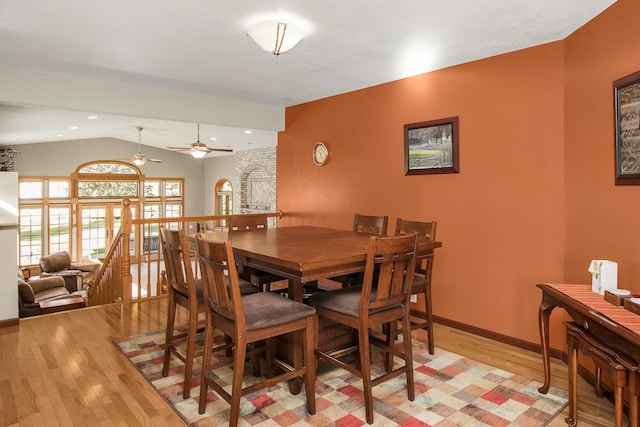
(218, 267)
(426, 232)
(175, 249)
(247, 222)
(389, 271)
(374, 225)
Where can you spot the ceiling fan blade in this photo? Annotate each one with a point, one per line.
(179, 148)
(154, 160)
(224, 150)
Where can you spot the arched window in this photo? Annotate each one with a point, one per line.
(224, 199)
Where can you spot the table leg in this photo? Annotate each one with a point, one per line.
(573, 380)
(543, 323)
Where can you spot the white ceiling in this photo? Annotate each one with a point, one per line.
(201, 46)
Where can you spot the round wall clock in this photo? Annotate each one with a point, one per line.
(320, 154)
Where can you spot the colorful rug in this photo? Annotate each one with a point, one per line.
(450, 391)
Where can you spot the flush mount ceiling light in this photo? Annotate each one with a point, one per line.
(275, 36)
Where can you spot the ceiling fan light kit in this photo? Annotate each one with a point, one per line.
(198, 154)
(198, 149)
(139, 159)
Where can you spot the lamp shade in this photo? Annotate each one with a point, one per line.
(275, 36)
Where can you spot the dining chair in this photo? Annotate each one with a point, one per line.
(250, 319)
(421, 319)
(382, 300)
(185, 290)
(252, 222)
(367, 224)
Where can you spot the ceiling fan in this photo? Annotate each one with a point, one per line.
(140, 159)
(198, 150)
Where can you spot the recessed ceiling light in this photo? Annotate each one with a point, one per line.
(73, 127)
(92, 117)
(248, 132)
(16, 136)
(59, 135)
(213, 138)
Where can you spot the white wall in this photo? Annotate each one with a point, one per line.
(9, 246)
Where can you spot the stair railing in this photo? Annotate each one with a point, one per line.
(131, 273)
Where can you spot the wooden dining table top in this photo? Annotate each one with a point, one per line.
(302, 252)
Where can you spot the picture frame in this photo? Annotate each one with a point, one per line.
(432, 147)
(627, 129)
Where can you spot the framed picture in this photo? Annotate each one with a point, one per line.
(627, 138)
(431, 147)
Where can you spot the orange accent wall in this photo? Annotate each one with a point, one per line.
(536, 147)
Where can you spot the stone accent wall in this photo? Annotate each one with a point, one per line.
(6, 159)
(256, 181)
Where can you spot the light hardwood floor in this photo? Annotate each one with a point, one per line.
(63, 370)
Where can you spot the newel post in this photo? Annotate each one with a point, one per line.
(127, 279)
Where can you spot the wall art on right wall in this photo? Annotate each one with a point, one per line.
(627, 137)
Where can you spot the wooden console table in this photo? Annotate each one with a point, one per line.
(612, 324)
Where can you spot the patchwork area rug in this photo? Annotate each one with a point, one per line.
(450, 391)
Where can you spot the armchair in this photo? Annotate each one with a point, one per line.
(76, 275)
(41, 290)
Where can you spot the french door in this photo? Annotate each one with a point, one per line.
(99, 223)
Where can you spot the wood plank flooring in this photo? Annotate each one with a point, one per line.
(62, 369)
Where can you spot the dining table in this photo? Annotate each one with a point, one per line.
(303, 255)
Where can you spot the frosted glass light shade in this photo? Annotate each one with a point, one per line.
(275, 36)
(198, 154)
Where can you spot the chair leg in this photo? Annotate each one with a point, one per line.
(429, 316)
(191, 349)
(209, 334)
(171, 317)
(309, 361)
(634, 399)
(238, 373)
(408, 354)
(572, 362)
(365, 370)
(391, 331)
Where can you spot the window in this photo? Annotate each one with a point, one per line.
(59, 189)
(31, 190)
(59, 229)
(173, 210)
(152, 188)
(224, 199)
(173, 189)
(99, 189)
(108, 168)
(31, 242)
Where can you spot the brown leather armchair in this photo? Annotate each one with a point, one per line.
(76, 275)
(37, 290)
